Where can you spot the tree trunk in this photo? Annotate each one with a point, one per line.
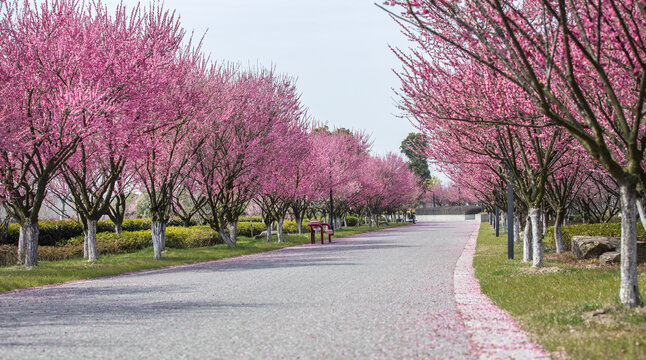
(299, 224)
(233, 232)
(537, 238)
(345, 221)
(558, 235)
(269, 228)
(163, 236)
(280, 230)
(545, 219)
(629, 289)
(31, 244)
(504, 221)
(516, 228)
(85, 242)
(118, 228)
(640, 208)
(527, 241)
(21, 244)
(224, 234)
(158, 232)
(90, 241)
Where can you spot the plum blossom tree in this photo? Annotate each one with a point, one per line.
(169, 136)
(93, 172)
(581, 62)
(255, 116)
(53, 64)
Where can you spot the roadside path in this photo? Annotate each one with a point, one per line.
(386, 294)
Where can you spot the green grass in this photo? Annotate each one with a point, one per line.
(51, 272)
(556, 307)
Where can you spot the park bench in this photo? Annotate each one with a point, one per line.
(314, 225)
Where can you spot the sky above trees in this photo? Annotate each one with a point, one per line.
(337, 49)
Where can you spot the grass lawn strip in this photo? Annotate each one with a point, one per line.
(50, 273)
(493, 333)
(571, 307)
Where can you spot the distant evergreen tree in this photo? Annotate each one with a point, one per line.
(417, 162)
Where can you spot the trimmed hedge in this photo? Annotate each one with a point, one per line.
(109, 243)
(244, 228)
(352, 220)
(56, 233)
(59, 233)
(8, 254)
(610, 229)
(177, 237)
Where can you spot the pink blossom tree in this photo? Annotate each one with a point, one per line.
(255, 116)
(171, 136)
(566, 56)
(52, 62)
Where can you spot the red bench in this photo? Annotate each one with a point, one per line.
(318, 225)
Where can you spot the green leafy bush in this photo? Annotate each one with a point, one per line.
(609, 229)
(178, 237)
(290, 227)
(108, 243)
(57, 232)
(352, 220)
(180, 222)
(244, 228)
(136, 224)
(255, 219)
(8, 254)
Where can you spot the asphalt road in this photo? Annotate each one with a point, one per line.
(382, 295)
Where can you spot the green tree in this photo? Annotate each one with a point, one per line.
(412, 148)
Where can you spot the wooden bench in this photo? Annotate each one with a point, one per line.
(319, 225)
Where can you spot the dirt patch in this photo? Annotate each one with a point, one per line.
(568, 260)
(543, 270)
(602, 316)
(613, 315)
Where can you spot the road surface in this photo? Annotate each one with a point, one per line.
(380, 295)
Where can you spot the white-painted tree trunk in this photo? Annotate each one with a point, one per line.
(504, 222)
(157, 228)
(640, 209)
(223, 230)
(233, 232)
(163, 237)
(516, 228)
(21, 244)
(558, 234)
(279, 229)
(269, 230)
(345, 222)
(84, 243)
(118, 228)
(31, 244)
(527, 241)
(537, 238)
(545, 219)
(299, 224)
(629, 289)
(90, 241)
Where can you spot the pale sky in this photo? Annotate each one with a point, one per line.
(338, 50)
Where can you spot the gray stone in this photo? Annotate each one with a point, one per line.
(588, 247)
(610, 257)
(614, 257)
